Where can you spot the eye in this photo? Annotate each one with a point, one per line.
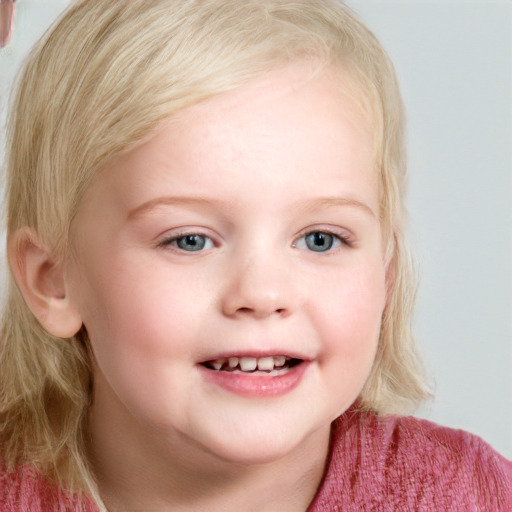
(190, 242)
(319, 241)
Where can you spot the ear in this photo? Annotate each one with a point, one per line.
(42, 282)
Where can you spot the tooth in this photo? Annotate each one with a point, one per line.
(248, 364)
(266, 363)
(233, 362)
(279, 360)
(218, 363)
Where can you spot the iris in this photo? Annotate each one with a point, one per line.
(319, 242)
(191, 242)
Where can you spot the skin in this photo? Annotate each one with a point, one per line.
(254, 171)
(6, 21)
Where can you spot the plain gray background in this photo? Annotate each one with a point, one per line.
(454, 60)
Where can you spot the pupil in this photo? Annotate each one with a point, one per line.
(319, 239)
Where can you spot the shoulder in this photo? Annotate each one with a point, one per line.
(24, 490)
(405, 463)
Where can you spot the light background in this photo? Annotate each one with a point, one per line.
(454, 60)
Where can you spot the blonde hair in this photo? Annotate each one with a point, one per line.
(100, 83)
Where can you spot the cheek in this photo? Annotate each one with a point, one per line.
(354, 314)
(135, 330)
(137, 312)
(348, 327)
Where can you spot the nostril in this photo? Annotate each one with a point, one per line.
(260, 312)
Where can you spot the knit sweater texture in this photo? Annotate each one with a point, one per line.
(390, 464)
(404, 464)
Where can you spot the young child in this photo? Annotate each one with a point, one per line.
(210, 298)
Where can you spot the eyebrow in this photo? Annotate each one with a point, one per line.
(308, 206)
(174, 201)
(328, 202)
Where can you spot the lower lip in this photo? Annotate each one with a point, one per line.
(253, 385)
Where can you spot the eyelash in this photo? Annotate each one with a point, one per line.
(341, 240)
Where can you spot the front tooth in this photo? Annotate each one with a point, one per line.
(233, 362)
(279, 360)
(248, 364)
(266, 363)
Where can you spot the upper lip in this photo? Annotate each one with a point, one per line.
(257, 354)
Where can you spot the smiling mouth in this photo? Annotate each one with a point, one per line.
(273, 365)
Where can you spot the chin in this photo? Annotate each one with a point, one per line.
(257, 445)
(256, 454)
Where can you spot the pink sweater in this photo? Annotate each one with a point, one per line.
(400, 464)
(393, 464)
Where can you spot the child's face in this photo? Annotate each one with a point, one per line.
(247, 228)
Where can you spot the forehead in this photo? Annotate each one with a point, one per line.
(300, 116)
(332, 86)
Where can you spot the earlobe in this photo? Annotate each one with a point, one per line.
(42, 282)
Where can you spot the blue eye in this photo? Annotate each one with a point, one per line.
(191, 242)
(319, 241)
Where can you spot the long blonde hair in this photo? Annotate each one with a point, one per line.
(99, 84)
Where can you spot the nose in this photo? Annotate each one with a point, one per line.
(260, 286)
